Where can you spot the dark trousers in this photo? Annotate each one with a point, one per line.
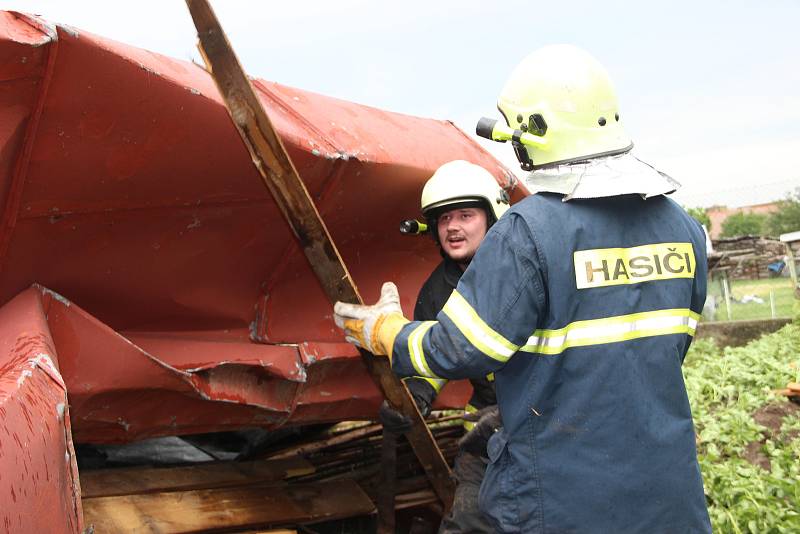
(465, 517)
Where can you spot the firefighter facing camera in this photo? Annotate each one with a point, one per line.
(460, 203)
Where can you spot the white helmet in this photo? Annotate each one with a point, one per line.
(462, 182)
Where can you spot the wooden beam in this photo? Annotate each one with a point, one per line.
(290, 194)
(386, 492)
(227, 508)
(304, 449)
(126, 481)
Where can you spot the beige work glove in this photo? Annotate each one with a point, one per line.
(375, 327)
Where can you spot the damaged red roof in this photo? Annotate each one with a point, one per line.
(139, 241)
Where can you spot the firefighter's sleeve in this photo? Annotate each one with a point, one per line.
(424, 310)
(493, 311)
(699, 286)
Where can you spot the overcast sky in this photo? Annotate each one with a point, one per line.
(709, 90)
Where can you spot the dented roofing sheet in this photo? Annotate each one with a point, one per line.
(39, 490)
(137, 237)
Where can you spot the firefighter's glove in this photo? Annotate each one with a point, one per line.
(372, 327)
(423, 395)
(476, 440)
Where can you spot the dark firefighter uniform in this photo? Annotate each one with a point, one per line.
(584, 312)
(469, 469)
(432, 298)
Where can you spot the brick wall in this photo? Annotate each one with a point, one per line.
(718, 214)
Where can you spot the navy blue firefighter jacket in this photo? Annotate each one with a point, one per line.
(584, 312)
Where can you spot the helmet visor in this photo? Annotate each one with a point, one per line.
(434, 211)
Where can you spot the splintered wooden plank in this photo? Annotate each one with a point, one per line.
(290, 194)
(126, 481)
(227, 508)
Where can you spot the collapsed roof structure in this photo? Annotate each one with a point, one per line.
(149, 285)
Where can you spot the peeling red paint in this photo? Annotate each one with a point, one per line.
(39, 489)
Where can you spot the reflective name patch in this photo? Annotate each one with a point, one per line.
(614, 266)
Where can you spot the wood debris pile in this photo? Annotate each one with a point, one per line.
(745, 257)
(355, 454)
(315, 484)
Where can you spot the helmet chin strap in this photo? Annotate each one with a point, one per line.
(521, 152)
(494, 130)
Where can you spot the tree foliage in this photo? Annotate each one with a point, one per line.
(701, 215)
(787, 218)
(742, 223)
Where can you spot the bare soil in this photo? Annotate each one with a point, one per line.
(771, 417)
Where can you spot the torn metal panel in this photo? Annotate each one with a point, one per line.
(126, 387)
(121, 391)
(335, 385)
(39, 488)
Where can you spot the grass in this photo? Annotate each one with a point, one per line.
(748, 437)
(781, 289)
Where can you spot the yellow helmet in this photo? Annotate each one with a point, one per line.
(562, 107)
(461, 182)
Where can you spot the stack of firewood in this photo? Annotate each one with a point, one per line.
(329, 477)
(353, 451)
(745, 257)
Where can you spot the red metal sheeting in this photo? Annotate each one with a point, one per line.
(39, 489)
(146, 385)
(187, 305)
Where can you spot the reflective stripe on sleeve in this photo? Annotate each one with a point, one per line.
(613, 330)
(479, 334)
(469, 425)
(436, 383)
(415, 352)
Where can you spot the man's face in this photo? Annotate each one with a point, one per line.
(461, 231)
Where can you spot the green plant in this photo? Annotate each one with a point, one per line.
(787, 218)
(749, 461)
(701, 215)
(742, 223)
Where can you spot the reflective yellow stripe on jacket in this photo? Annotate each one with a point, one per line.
(612, 330)
(548, 342)
(415, 352)
(479, 334)
(469, 425)
(436, 383)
